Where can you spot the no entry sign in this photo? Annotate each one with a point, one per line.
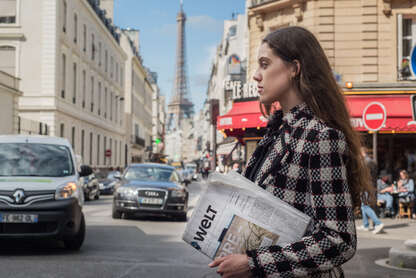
(374, 116)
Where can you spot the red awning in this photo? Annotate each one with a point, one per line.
(398, 108)
(241, 116)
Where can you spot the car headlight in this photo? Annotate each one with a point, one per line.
(178, 193)
(67, 190)
(126, 192)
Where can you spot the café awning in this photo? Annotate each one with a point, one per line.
(399, 110)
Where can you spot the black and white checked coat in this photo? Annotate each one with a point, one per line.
(305, 167)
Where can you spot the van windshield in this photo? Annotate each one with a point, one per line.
(35, 160)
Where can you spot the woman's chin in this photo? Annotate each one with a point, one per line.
(264, 100)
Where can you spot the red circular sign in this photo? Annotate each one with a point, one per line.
(108, 152)
(374, 116)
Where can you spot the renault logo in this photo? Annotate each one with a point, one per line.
(19, 196)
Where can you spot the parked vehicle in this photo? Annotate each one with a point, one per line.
(191, 171)
(91, 187)
(151, 189)
(40, 193)
(108, 182)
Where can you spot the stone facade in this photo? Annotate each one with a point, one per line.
(71, 66)
(363, 39)
(138, 100)
(9, 95)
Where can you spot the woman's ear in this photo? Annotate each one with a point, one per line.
(296, 68)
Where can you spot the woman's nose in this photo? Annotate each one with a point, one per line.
(257, 76)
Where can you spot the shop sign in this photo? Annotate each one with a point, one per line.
(241, 90)
(357, 122)
(374, 116)
(234, 64)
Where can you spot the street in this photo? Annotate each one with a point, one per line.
(152, 247)
(149, 247)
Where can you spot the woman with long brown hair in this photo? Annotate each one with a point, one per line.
(310, 158)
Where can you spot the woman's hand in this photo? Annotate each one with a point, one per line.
(235, 265)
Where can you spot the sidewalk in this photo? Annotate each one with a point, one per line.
(373, 247)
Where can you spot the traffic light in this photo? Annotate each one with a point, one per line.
(157, 141)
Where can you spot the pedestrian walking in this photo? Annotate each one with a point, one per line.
(368, 212)
(309, 157)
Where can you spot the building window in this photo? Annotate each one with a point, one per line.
(406, 39)
(64, 15)
(73, 138)
(7, 11)
(116, 72)
(84, 77)
(63, 75)
(74, 96)
(110, 159)
(98, 149)
(75, 28)
(106, 61)
(115, 153)
(92, 47)
(8, 59)
(84, 37)
(82, 143)
(116, 107)
(121, 77)
(91, 138)
(99, 53)
(62, 130)
(111, 106)
(111, 66)
(105, 148)
(92, 93)
(99, 98)
(105, 103)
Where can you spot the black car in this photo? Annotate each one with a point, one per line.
(108, 182)
(149, 189)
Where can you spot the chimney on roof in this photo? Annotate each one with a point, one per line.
(108, 6)
(134, 35)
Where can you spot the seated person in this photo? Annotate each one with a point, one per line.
(406, 187)
(384, 190)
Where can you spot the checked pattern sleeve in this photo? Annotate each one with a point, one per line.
(332, 240)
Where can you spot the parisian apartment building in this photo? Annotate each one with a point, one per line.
(72, 68)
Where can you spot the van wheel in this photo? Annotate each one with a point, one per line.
(97, 196)
(76, 241)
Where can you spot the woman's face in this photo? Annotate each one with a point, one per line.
(403, 175)
(273, 76)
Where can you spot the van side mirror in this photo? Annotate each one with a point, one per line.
(85, 171)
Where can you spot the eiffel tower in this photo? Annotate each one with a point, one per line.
(180, 107)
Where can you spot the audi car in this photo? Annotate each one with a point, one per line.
(151, 189)
(40, 193)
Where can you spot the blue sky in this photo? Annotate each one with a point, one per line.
(156, 21)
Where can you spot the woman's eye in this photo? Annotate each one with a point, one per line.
(263, 65)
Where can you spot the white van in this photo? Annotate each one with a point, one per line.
(40, 194)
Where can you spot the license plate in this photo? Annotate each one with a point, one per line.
(151, 201)
(18, 218)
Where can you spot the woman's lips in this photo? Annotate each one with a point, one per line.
(260, 90)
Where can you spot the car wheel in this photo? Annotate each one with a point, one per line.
(75, 242)
(116, 214)
(97, 196)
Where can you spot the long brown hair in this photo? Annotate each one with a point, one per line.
(317, 87)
